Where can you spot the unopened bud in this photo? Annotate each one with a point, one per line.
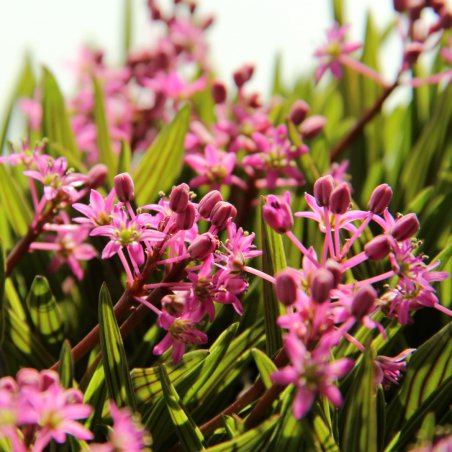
(335, 269)
(312, 126)
(405, 227)
(97, 175)
(278, 214)
(286, 287)
(363, 301)
(219, 92)
(243, 74)
(186, 219)
(400, 5)
(300, 110)
(221, 213)
(340, 199)
(380, 199)
(179, 198)
(207, 203)
(322, 283)
(412, 52)
(322, 190)
(124, 187)
(378, 248)
(202, 246)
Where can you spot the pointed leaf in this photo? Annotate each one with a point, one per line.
(114, 357)
(127, 28)
(66, 366)
(265, 366)
(162, 162)
(2, 293)
(94, 395)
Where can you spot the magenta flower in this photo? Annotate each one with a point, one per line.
(330, 53)
(388, 369)
(174, 86)
(99, 211)
(311, 373)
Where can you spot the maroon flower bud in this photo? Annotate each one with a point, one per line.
(405, 227)
(219, 92)
(186, 219)
(179, 198)
(336, 270)
(412, 52)
(97, 175)
(286, 286)
(124, 187)
(363, 301)
(207, 203)
(378, 248)
(243, 74)
(340, 199)
(300, 110)
(278, 214)
(312, 126)
(400, 5)
(322, 190)
(322, 283)
(203, 246)
(221, 213)
(380, 199)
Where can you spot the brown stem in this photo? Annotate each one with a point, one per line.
(359, 126)
(261, 408)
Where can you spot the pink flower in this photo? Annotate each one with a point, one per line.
(98, 212)
(388, 369)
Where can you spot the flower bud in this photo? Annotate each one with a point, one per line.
(300, 110)
(335, 269)
(322, 190)
(405, 227)
(219, 92)
(179, 198)
(124, 187)
(203, 246)
(243, 74)
(400, 5)
(186, 219)
(97, 175)
(378, 248)
(340, 199)
(207, 203)
(363, 301)
(221, 213)
(286, 287)
(278, 214)
(312, 126)
(322, 283)
(380, 199)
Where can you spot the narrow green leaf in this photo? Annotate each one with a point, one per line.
(127, 28)
(106, 154)
(95, 394)
(45, 312)
(162, 162)
(277, 82)
(125, 157)
(2, 293)
(360, 411)
(66, 366)
(187, 431)
(55, 120)
(114, 356)
(273, 261)
(265, 366)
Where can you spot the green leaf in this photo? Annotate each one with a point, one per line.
(125, 157)
(55, 120)
(273, 261)
(427, 370)
(66, 366)
(187, 431)
(114, 356)
(265, 366)
(360, 411)
(45, 312)
(94, 395)
(162, 162)
(127, 28)
(106, 154)
(2, 294)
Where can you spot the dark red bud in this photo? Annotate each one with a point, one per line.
(278, 214)
(221, 213)
(380, 199)
(179, 198)
(378, 248)
(340, 199)
(312, 126)
(186, 219)
(243, 74)
(336, 270)
(207, 203)
(203, 246)
(124, 187)
(323, 188)
(405, 227)
(219, 92)
(322, 283)
(300, 110)
(97, 175)
(286, 286)
(400, 5)
(363, 301)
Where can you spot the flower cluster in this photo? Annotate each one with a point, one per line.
(158, 236)
(326, 297)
